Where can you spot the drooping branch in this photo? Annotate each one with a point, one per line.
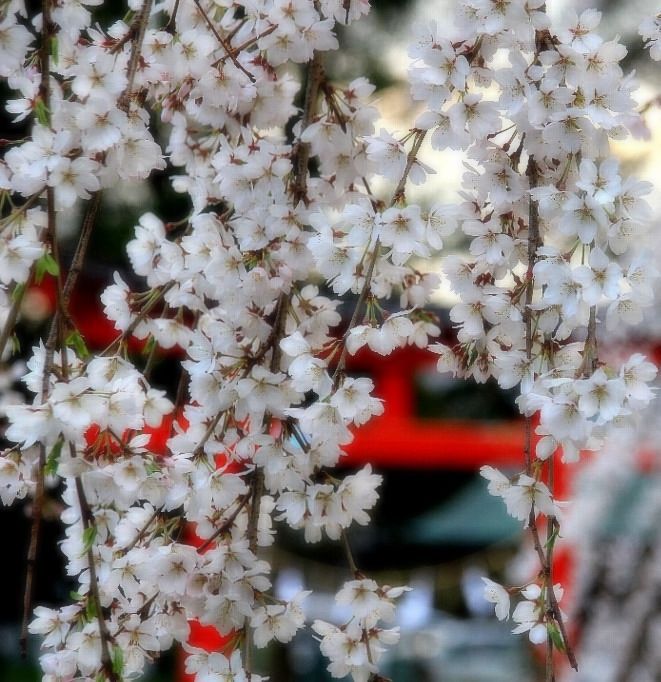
(315, 76)
(397, 196)
(137, 33)
(228, 48)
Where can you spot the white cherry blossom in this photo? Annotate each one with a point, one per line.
(289, 260)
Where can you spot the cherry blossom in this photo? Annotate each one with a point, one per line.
(276, 162)
(498, 595)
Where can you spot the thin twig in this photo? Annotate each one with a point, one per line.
(545, 558)
(550, 530)
(173, 17)
(55, 332)
(87, 517)
(349, 555)
(89, 523)
(141, 533)
(138, 29)
(398, 194)
(223, 42)
(315, 75)
(553, 600)
(227, 524)
(19, 210)
(12, 317)
(533, 244)
(32, 551)
(45, 97)
(590, 347)
(149, 306)
(362, 297)
(38, 500)
(245, 44)
(298, 436)
(258, 477)
(78, 259)
(257, 485)
(199, 448)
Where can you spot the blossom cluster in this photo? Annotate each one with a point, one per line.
(356, 647)
(553, 228)
(530, 614)
(650, 30)
(546, 147)
(284, 227)
(247, 446)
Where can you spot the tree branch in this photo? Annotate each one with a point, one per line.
(223, 42)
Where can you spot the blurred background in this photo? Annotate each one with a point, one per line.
(436, 528)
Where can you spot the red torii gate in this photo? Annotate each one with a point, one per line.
(396, 439)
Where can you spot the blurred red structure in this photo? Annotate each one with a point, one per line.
(397, 439)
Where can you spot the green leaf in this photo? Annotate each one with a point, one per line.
(53, 458)
(41, 112)
(149, 345)
(90, 609)
(75, 596)
(54, 49)
(152, 467)
(46, 264)
(552, 538)
(556, 637)
(76, 341)
(17, 292)
(118, 660)
(52, 268)
(89, 535)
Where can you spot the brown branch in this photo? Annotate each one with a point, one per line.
(49, 352)
(223, 42)
(78, 259)
(355, 571)
(545, 558)
(655, 101)
(47, 30)
(362, 297)
(199, 448)
(279, 331)
(274, 337)
(55, 332)
(292, 425)
(227, 524)
(89, 523)
(533, 245)
(257, 485)
(88, 520)
(245, 44)
(398, 194)
(590, 348)
(32, 551)
(315, 75)
(10, 323)
(553, 600)
(137, 33)
(38, 500)
(258, 476)
(149, 306)
(141, 532)
(19, 210)
(169, 27)
(551, 522)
